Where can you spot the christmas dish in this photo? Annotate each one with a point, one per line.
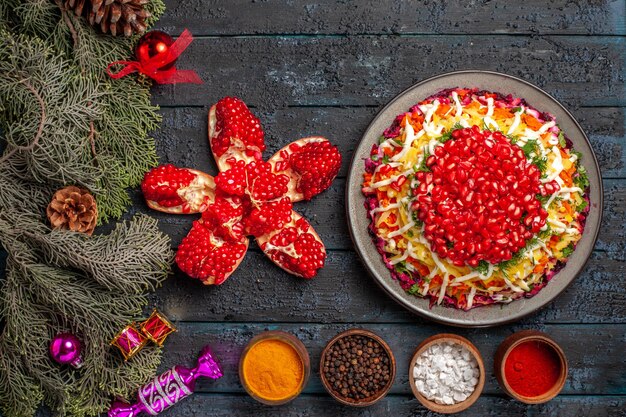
(475, 198)
(460, 197)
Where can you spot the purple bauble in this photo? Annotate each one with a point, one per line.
(65, 348)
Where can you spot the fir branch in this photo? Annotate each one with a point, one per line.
(35, 141)
(64, 122)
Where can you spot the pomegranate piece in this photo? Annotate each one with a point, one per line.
(234, 132)
(479, 200)
(295, 247)
(224, 218)
(268, 217)
(177, 190)
(311, 165)
(248, 197)
(205, 255)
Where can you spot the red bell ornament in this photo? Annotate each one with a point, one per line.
(152, 45)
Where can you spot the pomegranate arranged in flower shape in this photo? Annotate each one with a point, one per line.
(248, 197)
(477, 198)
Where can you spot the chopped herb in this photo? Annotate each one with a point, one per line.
(578, 154)
(374, 158)
(582, 206)
(417, 221)
(517, 256)
(401, 268)
(448, 135)
(530, 147)
(409, 233)
(516, 109)
(555, 200)
(397, 142)
(562, 141)
(413, 290)
(543, 199)
(422, 166)
(541, 163)
(513, 139)
(449, 244)
(545, 234)
(385, 159)
(581, 180)
(381, 139)
(568, 250)
(482, 268)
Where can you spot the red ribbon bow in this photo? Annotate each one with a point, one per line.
(151, 67)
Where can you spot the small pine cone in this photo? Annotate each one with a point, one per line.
(73, 208)
(116, 17)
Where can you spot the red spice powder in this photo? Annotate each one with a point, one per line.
(532, 368)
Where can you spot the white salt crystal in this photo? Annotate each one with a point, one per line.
(446, 373)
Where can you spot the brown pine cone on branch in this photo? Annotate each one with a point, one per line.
(73, 208)
(112, 16)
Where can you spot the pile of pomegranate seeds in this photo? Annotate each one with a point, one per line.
(478, 202)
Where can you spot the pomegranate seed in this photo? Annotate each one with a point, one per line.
(472, 203)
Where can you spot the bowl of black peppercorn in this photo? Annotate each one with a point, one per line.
(357, 368)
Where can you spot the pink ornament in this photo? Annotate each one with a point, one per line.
(65, 348)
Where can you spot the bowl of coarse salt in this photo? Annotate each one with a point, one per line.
(447, 373)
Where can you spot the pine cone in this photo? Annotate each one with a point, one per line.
(112, 16)
(73, 208)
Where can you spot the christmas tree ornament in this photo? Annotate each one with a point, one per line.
(129, 341)
(249, 197)
(152, 45)
(168, 388)
(73, 208)
(157, 327)
(127, 17)
(65, 348)
(155, 59)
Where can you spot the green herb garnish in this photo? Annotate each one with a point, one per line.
(562, 141)
(530, 147)
(422, 166)
(448, 135)
(513, 139)
(482, 268)
(517, 256)
(544, 234)
(413, 290)
(581, 180)
(568, 250)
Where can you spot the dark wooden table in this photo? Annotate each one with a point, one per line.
(326, 68)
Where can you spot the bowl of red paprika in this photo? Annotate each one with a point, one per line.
(530, 367)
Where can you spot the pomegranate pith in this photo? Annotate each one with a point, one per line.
(479, 199)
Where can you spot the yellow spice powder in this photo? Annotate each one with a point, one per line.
(273, 370)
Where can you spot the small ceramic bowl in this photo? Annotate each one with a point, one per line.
(292, 341)
(442, 408)
(517, 339)
(377, 396)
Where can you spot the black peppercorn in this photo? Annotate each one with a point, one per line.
(360, 368)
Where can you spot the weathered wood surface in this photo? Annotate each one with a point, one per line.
(224, 405)
(272, 72)
(595, 366)
(344, 292)
(326, 68)
(237, 17)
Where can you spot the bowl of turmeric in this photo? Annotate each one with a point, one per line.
(274, 367)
